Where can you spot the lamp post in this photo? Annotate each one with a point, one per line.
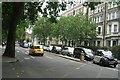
(104, 23)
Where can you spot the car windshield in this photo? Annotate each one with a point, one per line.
(65, 48)
(107, 54)
(37, 47)
(88, 51)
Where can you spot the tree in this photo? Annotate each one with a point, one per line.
(42, 28)
(13, 13)
(75, 29)
(15, 16)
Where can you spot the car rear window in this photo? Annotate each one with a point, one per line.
(37, 47)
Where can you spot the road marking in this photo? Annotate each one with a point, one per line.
(112, 69)
(49, 57)
(99, 73)
(26, 58)
(26, 53)
(32, 57)
(81, 66)
(18, 51)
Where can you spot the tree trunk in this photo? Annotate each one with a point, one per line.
(15, 17)
(69, 43)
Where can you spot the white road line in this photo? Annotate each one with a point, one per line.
(32, 57)
(26, 53)
(112, 69)
(18, 51)
(99, 74)
(49, 57)
(26, 58)
(81, 66)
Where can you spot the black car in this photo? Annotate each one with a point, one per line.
(88, 54)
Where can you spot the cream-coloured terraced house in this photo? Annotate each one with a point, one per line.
(107, 16)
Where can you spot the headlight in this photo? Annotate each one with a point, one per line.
(116, 59)
(87, 55)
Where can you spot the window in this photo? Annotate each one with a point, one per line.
(109, 18)
(114, 43)
(98, 43)
(95, 19)
(74, 12)
(98, 18)
(113, 15)
(109, 29)
(115, 28)
(109, 5)
(101, 8)
(98, 10)
(109, 43)
(99, 30)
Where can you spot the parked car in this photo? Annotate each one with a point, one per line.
(25, 45)
(36, 50)
(3, 43)
(64, 51)
(46, 48)
(105, 57)
(67, 51)
(58, 49)
(50, 48)
(88, 54)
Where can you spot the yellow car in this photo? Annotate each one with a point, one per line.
(36, 50)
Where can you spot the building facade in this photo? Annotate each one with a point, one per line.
(107, 16)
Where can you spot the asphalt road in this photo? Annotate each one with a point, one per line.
(52, 66)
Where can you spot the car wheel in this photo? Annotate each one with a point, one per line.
(114, 66)
(62, 53)
(101, 62)
(94, 62)
(74, 55)
(68, 54)
(42, 54)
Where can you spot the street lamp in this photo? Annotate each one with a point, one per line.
(104, 23)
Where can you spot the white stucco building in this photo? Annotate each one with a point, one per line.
(111, 28)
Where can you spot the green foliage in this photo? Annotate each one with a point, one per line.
(42, 28)
(91, 5)
(116, 51)
(74, 28)
(6, 7)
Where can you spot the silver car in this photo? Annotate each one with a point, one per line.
(104, 57)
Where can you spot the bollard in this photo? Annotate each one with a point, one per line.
(82, 57)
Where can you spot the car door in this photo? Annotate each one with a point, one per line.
(65, 51)
(98, 56)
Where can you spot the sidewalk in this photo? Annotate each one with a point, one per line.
(7, 59)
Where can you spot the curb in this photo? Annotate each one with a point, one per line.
(78, 60)
(70, 58)
(9, 60)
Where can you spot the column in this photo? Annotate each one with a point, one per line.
(111, 43)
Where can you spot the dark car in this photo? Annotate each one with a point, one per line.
(88, 54)
(105, 57)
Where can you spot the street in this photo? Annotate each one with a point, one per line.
(53, 66)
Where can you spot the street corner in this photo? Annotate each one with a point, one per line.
(9, 59)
